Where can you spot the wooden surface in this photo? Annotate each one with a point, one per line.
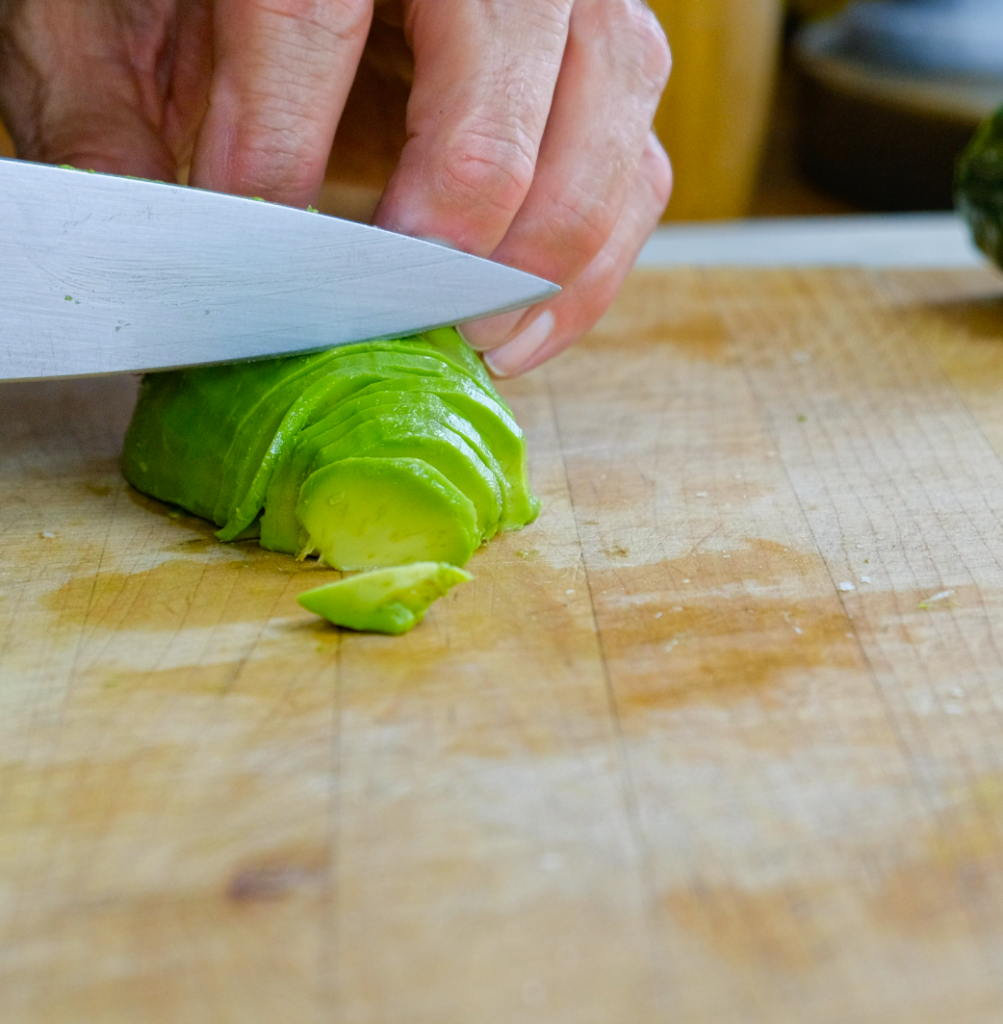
(715, 741)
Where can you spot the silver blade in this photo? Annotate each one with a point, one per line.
(102, 274)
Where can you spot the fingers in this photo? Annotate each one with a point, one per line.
(615, 68)
(282, 72)
(541, 335)
(484, 79)
(84, 84)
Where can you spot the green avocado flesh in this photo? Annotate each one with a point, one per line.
(384, 600)
(376, 454)
(978, 187)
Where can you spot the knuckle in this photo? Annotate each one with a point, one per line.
(580, 223)
(277, 164)
(323, 19)
(486, 166)
(657, 171)
(636, 34)
(650, 46)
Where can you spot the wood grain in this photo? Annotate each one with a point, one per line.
(715, 741)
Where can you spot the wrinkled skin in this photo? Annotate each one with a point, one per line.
(528, 122)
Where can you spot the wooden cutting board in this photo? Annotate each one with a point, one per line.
(718, 740)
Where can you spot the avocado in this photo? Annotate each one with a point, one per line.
(495, 433)
(406, 431)
(364, 513)
(385, 600)
(373, 454)
(978, 187)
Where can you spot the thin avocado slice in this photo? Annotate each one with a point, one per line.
(434, 443)
(390, 600)
(492, 431)
(401, 415)
(398, 433)
(369, 513)
(336, 367)
(447, 340)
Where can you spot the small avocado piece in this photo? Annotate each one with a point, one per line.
(385, 600)
(368, 513)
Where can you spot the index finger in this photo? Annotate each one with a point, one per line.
(282, 72)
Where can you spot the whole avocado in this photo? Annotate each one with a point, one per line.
(979, 187)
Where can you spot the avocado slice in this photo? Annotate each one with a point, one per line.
(390, 600)
(396, 433)
(337, 367)
(423, 401)
(366, 513)
(493, 432)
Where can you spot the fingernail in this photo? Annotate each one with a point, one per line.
(485, 334)
(508, 359)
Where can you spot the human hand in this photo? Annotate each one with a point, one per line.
(528, 122)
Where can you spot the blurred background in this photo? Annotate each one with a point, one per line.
(775, 107)
(822, 106)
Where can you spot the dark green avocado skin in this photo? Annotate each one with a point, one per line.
(978, 187)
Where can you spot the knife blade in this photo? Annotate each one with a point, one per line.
(104, 274)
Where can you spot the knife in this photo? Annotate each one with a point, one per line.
(105, 274)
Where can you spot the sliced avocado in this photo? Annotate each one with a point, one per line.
(368, 513)
(414, 413)
(397, 433)
(495, 434)
(194, 429)
(332, 376)
(386, 600)
(245, 499)
(378, 453)
(434, 443)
